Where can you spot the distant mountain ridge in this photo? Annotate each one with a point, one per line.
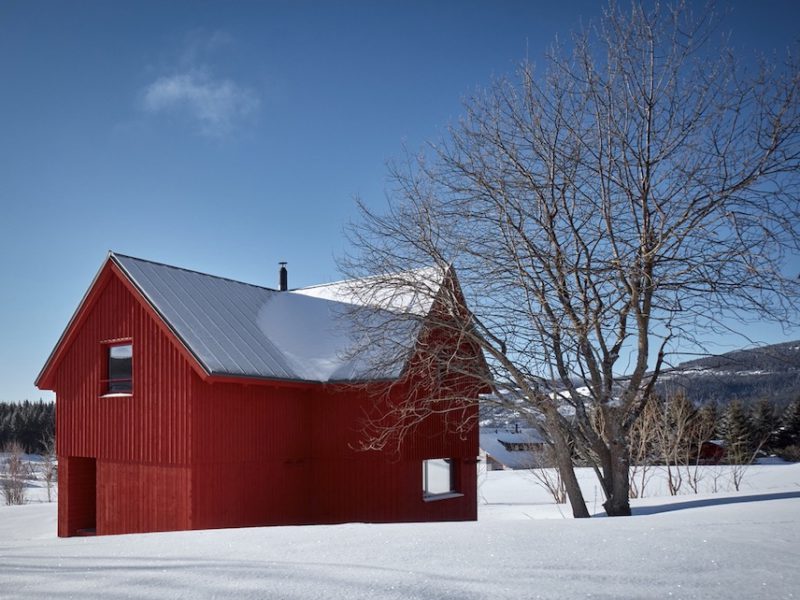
(771, 372)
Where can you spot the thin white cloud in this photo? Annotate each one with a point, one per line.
(200, 45)
(217, 106)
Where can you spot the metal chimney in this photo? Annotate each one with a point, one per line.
(283, 276)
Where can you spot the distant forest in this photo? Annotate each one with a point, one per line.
(770, 372)
(31, 424)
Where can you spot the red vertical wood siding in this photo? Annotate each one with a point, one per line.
(250, 454)
(153, 424)
(137, 498)
(354, 485)
(147, 430)
(181, 452)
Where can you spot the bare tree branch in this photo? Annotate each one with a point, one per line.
(629, 201)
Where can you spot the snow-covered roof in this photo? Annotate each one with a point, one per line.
(491, 442)
(410, 291)
(242, 330)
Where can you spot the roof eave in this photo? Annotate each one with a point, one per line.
(43, 379)
(291, 382)
(112, 266)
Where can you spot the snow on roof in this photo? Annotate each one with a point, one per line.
(238, 329)
(491, 442)
(410, 291)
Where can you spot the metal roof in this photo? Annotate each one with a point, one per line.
(243, 330)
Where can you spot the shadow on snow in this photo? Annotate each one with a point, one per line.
(639, 511)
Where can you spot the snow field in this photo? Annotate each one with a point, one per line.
(726, 545)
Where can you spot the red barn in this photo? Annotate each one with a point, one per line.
(188, 401)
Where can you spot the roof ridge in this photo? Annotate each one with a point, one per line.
(196, 272)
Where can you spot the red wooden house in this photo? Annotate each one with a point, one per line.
(188, 401)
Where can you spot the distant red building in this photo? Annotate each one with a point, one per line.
(711, 452)
(187, 401)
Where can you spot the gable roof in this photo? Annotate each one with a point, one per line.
(492, 442)
(236, 329)
(239, 329)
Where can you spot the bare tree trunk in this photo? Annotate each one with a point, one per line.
(618, 503)
(563, 454)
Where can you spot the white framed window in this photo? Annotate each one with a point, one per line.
(118, 368)
(438, 478)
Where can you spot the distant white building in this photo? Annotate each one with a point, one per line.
(510, 449)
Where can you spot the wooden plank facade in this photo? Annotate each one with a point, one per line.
(185, 451)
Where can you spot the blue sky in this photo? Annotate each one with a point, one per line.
(225, 137)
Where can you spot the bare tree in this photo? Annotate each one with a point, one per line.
(680, 433)
(643, 448)
(619, 206)
(546, 475)
(701, 434)
(670, 432)
(15, 474)
(738, 468)
(743, 441)
(675, 434)
(49, 464)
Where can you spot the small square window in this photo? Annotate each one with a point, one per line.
(438, 477)
(120, 369)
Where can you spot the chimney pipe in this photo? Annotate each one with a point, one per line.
(283, 276)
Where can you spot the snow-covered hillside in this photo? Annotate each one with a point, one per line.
(731, 545)
(771, 372)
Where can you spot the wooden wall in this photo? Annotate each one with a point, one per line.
(251, 449)
(140, 441)
(137, 498)
(357, 485)
(183, 453)
(153, 424)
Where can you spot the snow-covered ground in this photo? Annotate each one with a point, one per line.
(727, 545)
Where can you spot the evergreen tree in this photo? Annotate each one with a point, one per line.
(764, 425)
(26, 423)
(5, 425)
(735, 430)
(789, 431)
(708, 419)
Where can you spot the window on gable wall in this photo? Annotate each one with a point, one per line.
(438, 477)
(120, 369)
